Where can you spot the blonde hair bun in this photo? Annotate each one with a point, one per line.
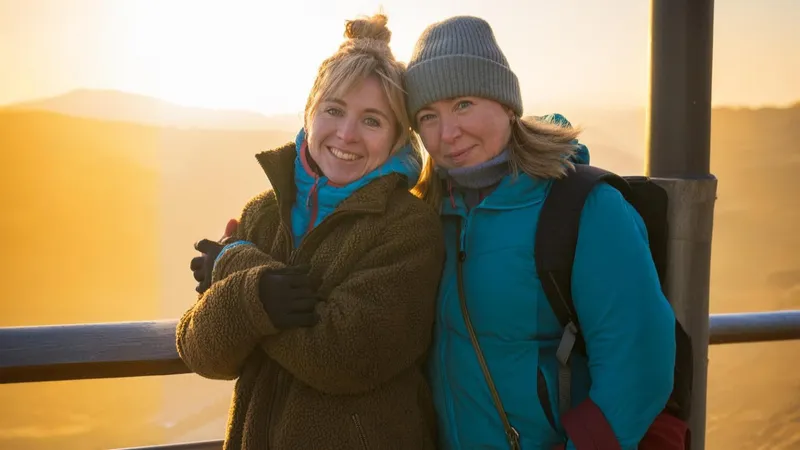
(373, 27)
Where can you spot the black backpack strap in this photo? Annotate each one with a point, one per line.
(554, 252)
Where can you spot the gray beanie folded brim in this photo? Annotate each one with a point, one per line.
(459, 57)
(459, 76)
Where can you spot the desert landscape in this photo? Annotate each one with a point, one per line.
(105, 192)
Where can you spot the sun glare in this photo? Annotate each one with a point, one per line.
(232, 56)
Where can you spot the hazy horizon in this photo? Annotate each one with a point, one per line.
(79, 89)
(247, 57)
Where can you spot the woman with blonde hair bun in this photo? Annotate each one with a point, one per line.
(321, 302)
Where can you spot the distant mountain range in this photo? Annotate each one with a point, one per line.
(620, 150)
(127, 107)
(106, 193)
(616, 137)
(113, 105)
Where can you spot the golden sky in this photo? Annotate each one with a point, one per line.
(262, 55)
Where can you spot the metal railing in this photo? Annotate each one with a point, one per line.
(198, 445)
(135, 349)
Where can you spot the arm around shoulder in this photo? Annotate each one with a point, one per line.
(626, 321)
(215, 336)
(236, 257)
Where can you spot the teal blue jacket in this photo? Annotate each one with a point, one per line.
(627, 322)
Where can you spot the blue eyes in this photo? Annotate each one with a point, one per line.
(461, 105)
(368, 121)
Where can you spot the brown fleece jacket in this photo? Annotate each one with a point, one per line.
(354, 380)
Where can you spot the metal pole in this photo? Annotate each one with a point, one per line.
(679, 113)
(678, 157)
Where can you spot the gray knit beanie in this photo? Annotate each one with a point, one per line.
(459, 57)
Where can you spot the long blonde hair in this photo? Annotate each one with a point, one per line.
(537, 148)
(364, 53)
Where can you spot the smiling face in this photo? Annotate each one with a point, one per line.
(464, 131)
(352, 135)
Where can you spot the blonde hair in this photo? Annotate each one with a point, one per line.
(537, 148)
(364, 53)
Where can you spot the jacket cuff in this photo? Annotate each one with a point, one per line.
(666, 433)
(244, 256)
(588, 429)
(228, 247)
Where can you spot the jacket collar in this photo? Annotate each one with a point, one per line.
(514, 191)
(278, 164)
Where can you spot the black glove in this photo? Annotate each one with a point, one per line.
(288, 297)
(203, 265)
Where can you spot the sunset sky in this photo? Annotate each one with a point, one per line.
(262, 55)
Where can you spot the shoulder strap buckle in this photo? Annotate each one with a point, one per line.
(567, 343)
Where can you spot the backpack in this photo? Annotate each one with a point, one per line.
(555, 242)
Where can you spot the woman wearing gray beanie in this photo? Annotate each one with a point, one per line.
(493, 367)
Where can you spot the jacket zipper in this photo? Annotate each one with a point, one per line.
(541, 383)
(313, 206)
(360, 429)
(296, 252)
(512, 435)
(278, 389)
